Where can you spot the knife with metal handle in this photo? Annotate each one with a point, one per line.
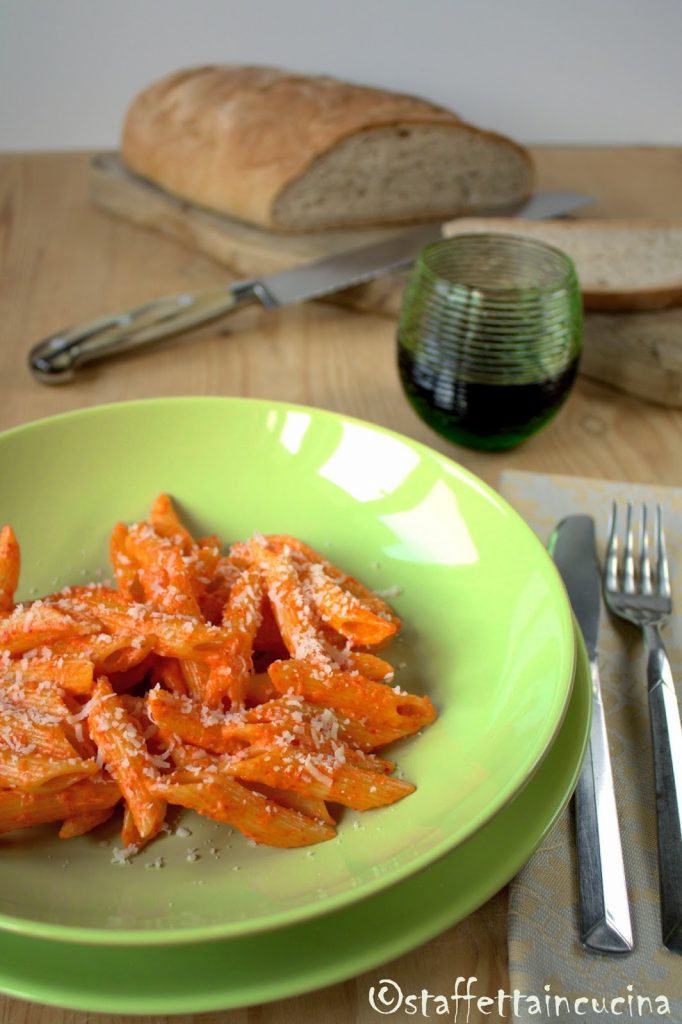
(55, 359)
(605, 925)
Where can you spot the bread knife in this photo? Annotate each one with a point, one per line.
(56, 359)
(605, 925)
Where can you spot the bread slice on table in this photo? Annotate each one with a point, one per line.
(621, 264)
(293, 152)
(639, 353)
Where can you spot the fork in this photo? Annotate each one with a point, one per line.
(642, 596)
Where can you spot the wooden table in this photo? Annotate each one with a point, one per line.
(63, 261)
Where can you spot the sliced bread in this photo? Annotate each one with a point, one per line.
(639, 353)
(621, 264)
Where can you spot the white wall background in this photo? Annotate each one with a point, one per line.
(595, 71)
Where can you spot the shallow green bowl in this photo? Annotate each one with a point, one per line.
(487, 635)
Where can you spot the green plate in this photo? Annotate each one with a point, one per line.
(241, 972)
(488, 636)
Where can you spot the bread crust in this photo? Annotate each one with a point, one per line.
(646, 300)
(221, 135)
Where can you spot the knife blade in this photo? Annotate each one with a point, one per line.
(55, 359)
(605, 924)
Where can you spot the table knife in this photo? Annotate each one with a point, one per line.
(605, 925)
(55, 359)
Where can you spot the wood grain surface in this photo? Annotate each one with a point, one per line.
(64, 261)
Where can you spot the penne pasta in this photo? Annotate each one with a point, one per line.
(10, 562)
(22, 809)
(319, 726)
(245, 687)
(370, 666)
(74, 674)
(345, 612)
(25, 730)
(125, 569)
(45, 702)
(387, 714)
(124, 751)
(298, 624)
(80, 823)
(232, 669)
(39, 625)
(165, 522)
(106, 653)
(34, 771)
(187, 721)
(195, 677)
(130, 834)
(308, 556)
(165, 578)
(214, 576)
(132, 624)
(227, 801)
(312, 806)
(318, 776)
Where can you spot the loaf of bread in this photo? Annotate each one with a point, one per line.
(621, 264)
(292, 152)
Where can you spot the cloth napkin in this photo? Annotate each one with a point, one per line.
(545, 956)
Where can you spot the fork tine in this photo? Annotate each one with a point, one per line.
(644, 560)
(629, 561)
(611, 564)
(663, 571)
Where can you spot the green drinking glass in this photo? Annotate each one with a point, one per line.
(489, 337)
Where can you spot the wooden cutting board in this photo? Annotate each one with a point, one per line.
(639, 353)
(245, 249)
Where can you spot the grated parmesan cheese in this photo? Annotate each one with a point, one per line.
(389, 592)
(123, 856)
